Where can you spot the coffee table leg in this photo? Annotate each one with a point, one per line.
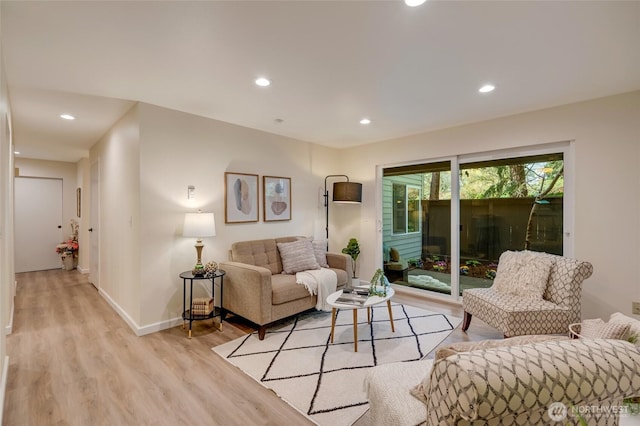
(333, 322)
(368, 314)
(393, 329)
(355, 330)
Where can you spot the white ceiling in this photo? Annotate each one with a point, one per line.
(331, 63)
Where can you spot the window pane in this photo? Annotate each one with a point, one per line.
(413, 209)
(399, 209)
(421, 196)
(511, 204)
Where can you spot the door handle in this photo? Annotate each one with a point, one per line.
(90, 229)
(59, 226)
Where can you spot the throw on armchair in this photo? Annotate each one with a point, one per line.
(533, 293)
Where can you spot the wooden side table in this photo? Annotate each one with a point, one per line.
(187, 313)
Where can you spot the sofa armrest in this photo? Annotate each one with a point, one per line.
(340, 261)
(247, 291)
(524, 380)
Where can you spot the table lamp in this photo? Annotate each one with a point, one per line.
(199, 225)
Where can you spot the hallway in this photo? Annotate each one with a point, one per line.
(74, 361)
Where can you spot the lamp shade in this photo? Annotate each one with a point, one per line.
(199, 225)
(347, 192)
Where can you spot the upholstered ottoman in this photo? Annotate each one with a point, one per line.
(389, 390)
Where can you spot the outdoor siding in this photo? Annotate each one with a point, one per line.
(408, 245)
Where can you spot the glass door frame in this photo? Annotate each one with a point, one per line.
(568, 242)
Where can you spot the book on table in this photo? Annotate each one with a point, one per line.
(352, 298)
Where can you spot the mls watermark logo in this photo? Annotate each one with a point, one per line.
(557, 411)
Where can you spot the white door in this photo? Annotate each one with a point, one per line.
(94, 228)
(38, 223)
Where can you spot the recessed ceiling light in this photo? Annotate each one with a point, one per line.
(414, 3)
(365, 121)
(67, 116)
(487, 88)
(262, 82)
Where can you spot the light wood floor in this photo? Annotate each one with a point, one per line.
(73, 361)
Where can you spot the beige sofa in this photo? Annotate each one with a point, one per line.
(256, 289)
(509, 385)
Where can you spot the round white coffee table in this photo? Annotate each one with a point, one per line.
(371, 301)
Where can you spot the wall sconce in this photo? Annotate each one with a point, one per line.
(343, 192)
(199, 225)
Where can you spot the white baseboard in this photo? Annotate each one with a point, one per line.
(140, 331)
(159, 326)
(3, 384)
(9, 328)
(83, 270)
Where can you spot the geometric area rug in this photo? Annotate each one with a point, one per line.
(325, 381)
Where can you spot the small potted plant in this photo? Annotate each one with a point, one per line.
(353, 250)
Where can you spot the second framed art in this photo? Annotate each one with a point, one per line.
(276, 192)
(241, 198)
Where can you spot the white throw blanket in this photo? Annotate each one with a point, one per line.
(322, 282)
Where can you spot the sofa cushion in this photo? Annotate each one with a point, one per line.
(262, 253)
(523, 273)
(598, 329)
(459, 347)
(284, 289)
(634, 326)
(394, 255)
(297, 256)
(388, 387)
(342, 276)
(484, 385)
(421, 390)
(320, 251)
(514, 315)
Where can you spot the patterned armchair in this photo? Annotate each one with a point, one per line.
(515, 315)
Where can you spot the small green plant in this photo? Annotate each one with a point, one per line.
(473, 263)
(353, 250)
(378, 278)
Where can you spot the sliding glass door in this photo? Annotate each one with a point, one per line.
(417, 225)
(508, 204)
(444, 237)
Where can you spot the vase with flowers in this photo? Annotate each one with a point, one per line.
(68, 250)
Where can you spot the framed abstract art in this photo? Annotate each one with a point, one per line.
(241, 198)
(276, 192)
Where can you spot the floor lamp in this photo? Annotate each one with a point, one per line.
(343, 192)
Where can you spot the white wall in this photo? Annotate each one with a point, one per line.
(607, 201)
(178, 150)
(147, 161)
(118, 153)
(152, 155)
(7, 268)
(83, 181)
